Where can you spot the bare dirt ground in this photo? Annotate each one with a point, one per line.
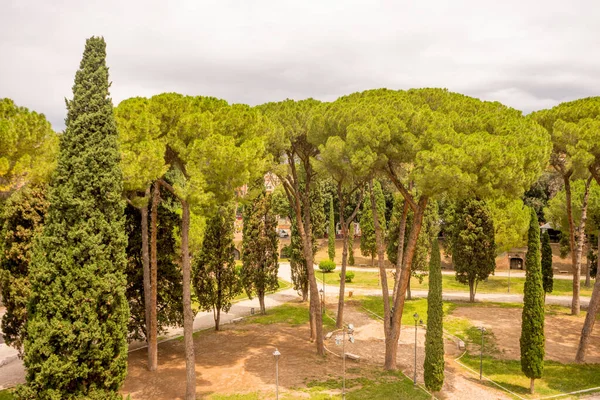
(562, 332)
(239, 360)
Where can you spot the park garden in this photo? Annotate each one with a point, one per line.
(120, 276)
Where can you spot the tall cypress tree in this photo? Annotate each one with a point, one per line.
(434, 337)
(77, 328)
(532, 326)
(259, 249)
(547, 272)
(331, 233)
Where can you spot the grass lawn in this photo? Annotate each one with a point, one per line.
(494, 284)
(6, 395)
(289, 313)
(419, 306)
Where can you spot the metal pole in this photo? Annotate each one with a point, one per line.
(415, 378)
(344, 364)
(277, 379)
(481, 355)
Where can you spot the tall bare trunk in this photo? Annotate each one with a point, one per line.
(188, 314)
(153, 341)
(590, 318)
(408, 292)
(400, 251)
(396, 317)
(575, 305)
(147, 285)
(588, 264)
(261, 301)
(217, 318)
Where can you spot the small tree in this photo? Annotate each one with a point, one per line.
(259, 249)
(434, 337)
(22, 220)
(547, 272)
(351, 244)
(215, 279)
(532, 326)
(331, 231)
(473, 246)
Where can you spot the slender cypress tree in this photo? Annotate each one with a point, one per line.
(351, 244)
(434, 337)
(331, 233)
(547, 272)
(77, 328)
(532, 326)
(259, 249)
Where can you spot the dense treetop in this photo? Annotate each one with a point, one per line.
(28, 145)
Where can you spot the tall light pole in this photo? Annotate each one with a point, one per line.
(417, 321)
(276, 355)
(322, 301)
(482, 329)
(350, 329)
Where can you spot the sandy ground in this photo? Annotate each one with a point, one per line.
(239, 359)
(562, 332)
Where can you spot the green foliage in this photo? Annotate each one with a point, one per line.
(368, 245)
(331, 232)
(77, 323)
(511, 221)
(351, 245)
(547, 271)
(259, 248)
(532, 326)
(394, 229)
(472, 243)
(434, 337)
(22, 221)
(6, 395)
(28, 146)
(327, 265)
(286, 251)
(349, 276)
(297, 262)
(214, 276)
(556, 212)
(545, 188)
(169, 296)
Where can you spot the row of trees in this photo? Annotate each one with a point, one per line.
(433, 146)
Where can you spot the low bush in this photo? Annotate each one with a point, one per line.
(327, 265)
(349, 276)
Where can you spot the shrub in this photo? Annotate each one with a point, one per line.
(286, 251)
(327, 265)
(349, 276)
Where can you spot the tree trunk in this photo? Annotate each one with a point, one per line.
(217, 318)
(531, 386)
(396, 317)
(401, 237)
(472, 291)
(590, 318)
(188, 314)
(588, 277)
(152, 343)
(567, 180)
(261, 301)
(408, 293)
(575, 305)
(304, 294)
(147, 289)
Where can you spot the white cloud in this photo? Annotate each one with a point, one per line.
(527, 54)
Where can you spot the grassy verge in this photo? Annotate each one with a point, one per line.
(289, 313)
(6, 394)
(494, 284)
(419, 306)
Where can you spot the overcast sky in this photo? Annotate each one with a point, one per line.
(524, 53)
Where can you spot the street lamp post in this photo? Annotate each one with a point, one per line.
(417, 321)
(276, 355)
(350, 329)
(482, 329)
(322, 301)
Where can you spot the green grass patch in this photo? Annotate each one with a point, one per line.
(6, 394)
(381, 385)
(494, 284)
(557, 378)
(283, 285)
(289, 313)
(419, 306)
